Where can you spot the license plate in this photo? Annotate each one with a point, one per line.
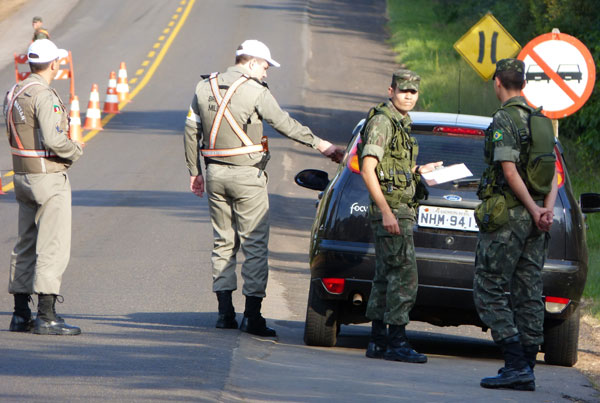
(447, 218)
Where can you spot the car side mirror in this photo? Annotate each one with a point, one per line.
(589, 202)
(313, 179)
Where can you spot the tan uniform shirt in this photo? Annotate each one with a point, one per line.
(250, 105)
(41, 121)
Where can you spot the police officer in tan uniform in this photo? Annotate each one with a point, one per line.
(224, 125)
(42, 152)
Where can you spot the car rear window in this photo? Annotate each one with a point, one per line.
(451, 149)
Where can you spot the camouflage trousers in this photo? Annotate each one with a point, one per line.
(511, 258)
(395, 284)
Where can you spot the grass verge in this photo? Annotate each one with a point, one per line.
(424, 44)
(583, 182)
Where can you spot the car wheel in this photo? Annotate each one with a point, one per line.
(561, 340)
(320, 328)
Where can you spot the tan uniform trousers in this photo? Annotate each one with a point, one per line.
(43, 247)
(239, 211)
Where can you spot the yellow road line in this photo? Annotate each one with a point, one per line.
(151, 70)
(149, 73)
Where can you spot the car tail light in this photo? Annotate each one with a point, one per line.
(560, 176)
(556, 304)
(334, 285)
(353, 158)
(458, 131)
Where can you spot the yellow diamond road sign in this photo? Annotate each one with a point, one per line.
(486, 43)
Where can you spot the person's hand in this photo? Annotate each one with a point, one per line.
(430, 167)
(390, 223)
(546, 220)
(197, 185)
(335, 153)
(542, 217)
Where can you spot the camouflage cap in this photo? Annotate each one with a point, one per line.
(37, 19)
(406, 79)
(510, 65)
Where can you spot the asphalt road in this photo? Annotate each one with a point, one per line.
(139, 282)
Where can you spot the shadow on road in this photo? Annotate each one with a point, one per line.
(333, 124)
(182, 203)
(357, 337)
(294, 213)
(356, 17)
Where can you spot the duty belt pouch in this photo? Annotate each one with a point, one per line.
(421, 191)
(392, 176)
(492, 213)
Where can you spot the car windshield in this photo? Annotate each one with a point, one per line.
(568, 67)
(452, 150)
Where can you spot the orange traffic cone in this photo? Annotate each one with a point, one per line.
(92, 116)
(75, 121)
(111, 104)
(122, 86)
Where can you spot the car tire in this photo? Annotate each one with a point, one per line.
(561, 340)
(320, 327)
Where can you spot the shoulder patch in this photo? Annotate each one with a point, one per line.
(57, 109)
(497, 135)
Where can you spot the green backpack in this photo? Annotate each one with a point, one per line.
(537, 156)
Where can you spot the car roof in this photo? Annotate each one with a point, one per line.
(450, 119)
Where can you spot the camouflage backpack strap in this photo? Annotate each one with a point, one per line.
(512, 108)
(393, 171)
(383, 109)
(380, 109)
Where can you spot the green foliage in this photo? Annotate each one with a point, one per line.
(528, 19)
(423, 34)
(423, 43)
(583, 182)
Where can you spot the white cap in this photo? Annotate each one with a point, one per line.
(252, 47)
(43, 51)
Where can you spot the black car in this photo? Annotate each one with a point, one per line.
(342, 253)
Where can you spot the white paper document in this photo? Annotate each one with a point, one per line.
(446, 174)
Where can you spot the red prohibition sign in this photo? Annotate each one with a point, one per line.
(554, 76)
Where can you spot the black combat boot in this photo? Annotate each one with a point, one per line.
(47, 321)
(21, 320)
(378, 342)
(399, 348)
(226, 319)
(253, 322)
(516, 373)
(530, 354)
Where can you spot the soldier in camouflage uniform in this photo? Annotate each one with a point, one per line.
(39, 32)
(512, 256)
(387, 156)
